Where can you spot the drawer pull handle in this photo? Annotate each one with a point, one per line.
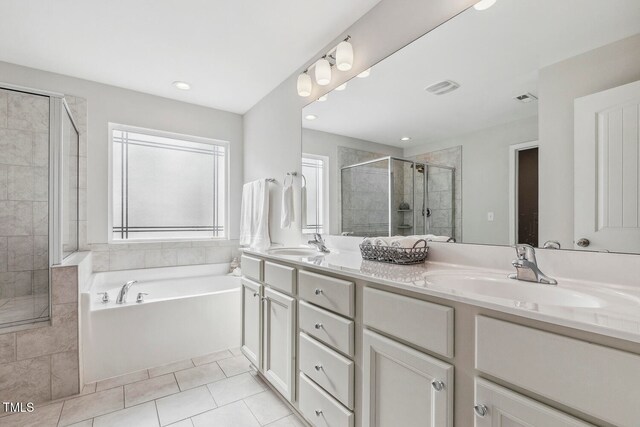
(318, 412)
(318, 325)
(481, 410)
(318, 367)
(318, 291)
(437, 385)
(255, 294)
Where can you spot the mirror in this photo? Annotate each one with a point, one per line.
(516, 124)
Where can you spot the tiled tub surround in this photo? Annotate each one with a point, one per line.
(128, 256)
(216, 389)
(188, 311)
(24, 195)
(41, 363)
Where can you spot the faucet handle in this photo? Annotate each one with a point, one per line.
(525, 252)
(140, 297)
(105, 297)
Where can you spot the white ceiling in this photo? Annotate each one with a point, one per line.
(232, 52)
(494, 55)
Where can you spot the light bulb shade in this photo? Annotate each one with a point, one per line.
(344, 56)
(304, 84)
(343, 86)
(323, 72)
(365, 73)
(484, 4)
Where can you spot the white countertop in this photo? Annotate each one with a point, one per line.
(618, 316)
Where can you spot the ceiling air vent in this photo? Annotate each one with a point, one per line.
(443, 87)
(526, 97)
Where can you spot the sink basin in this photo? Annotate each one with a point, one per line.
(524, 294)
(294, 252)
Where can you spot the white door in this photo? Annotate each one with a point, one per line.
(279, 340)
(499, 407)
(404, 387)
(252, 321)
(607, 170)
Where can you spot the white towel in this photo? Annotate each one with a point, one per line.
(303, 205)
(434, 238)
(406, 242)
(287, 214)
(254, 215)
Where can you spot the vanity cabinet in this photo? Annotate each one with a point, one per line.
(499, 407)
(252, 321)
(404, 387)
(279, 341)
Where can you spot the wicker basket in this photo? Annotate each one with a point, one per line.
(395, 255)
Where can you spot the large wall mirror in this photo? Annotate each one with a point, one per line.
(516, 124)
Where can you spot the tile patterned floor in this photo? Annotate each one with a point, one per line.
(216, 390)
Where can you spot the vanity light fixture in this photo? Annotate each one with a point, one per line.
(343, 86)
(405, 138)
(344, 55)
(323, 98)
(341, 56)
(323, 71)
(484, 4)
(181, 85)
(304, 84)
(365, 73)
(310, 117)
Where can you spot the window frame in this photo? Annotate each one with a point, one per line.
(165, 134)
(326, 194)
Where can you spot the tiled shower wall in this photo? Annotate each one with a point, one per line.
(24, 190)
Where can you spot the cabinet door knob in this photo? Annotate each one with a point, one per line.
(318, 412)
(318, 291)
(437, 385)
(583, 243)
(255, 294)
(318, 367)
(481, 410)
(263, 298)
(318, 325)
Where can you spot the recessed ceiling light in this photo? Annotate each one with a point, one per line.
(310, 117)
(343, 86)
(526, 98)
(405, 138)
(323, 98)
(484, 4)
(182, 85)
(365, 73)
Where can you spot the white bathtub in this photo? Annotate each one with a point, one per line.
(188, 312)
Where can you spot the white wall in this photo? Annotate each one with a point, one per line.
(326, 144)
(112, 104)
(559, 84)
(272, 130)
(485, 177)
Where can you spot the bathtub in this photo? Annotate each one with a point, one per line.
(189, 311)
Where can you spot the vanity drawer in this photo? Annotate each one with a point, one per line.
(593, 379)
(251, 267)
(330, 370)
(319, 408)
(280, 277)
(418, 322)
(334, 330)
(328, 292)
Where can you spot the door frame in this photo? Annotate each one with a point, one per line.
(513, 185)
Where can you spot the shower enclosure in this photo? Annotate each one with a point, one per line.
(38, 199)
(392, 196)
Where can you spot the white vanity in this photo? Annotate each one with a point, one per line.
(347, 347)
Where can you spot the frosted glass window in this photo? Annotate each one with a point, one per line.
(314, 176)
(167, 187)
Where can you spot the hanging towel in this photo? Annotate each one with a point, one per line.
(254, 215)
(287, 214)
(303, 202)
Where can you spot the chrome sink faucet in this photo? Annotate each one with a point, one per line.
(527, 266)
(318, 242)
(122, 295)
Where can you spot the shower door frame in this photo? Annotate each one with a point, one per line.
(57, 106)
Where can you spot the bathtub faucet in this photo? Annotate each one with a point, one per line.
(122, 295)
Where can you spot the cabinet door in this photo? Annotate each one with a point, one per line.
(498, 407)
(252, 321)
(279, 339)
(404, 387)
